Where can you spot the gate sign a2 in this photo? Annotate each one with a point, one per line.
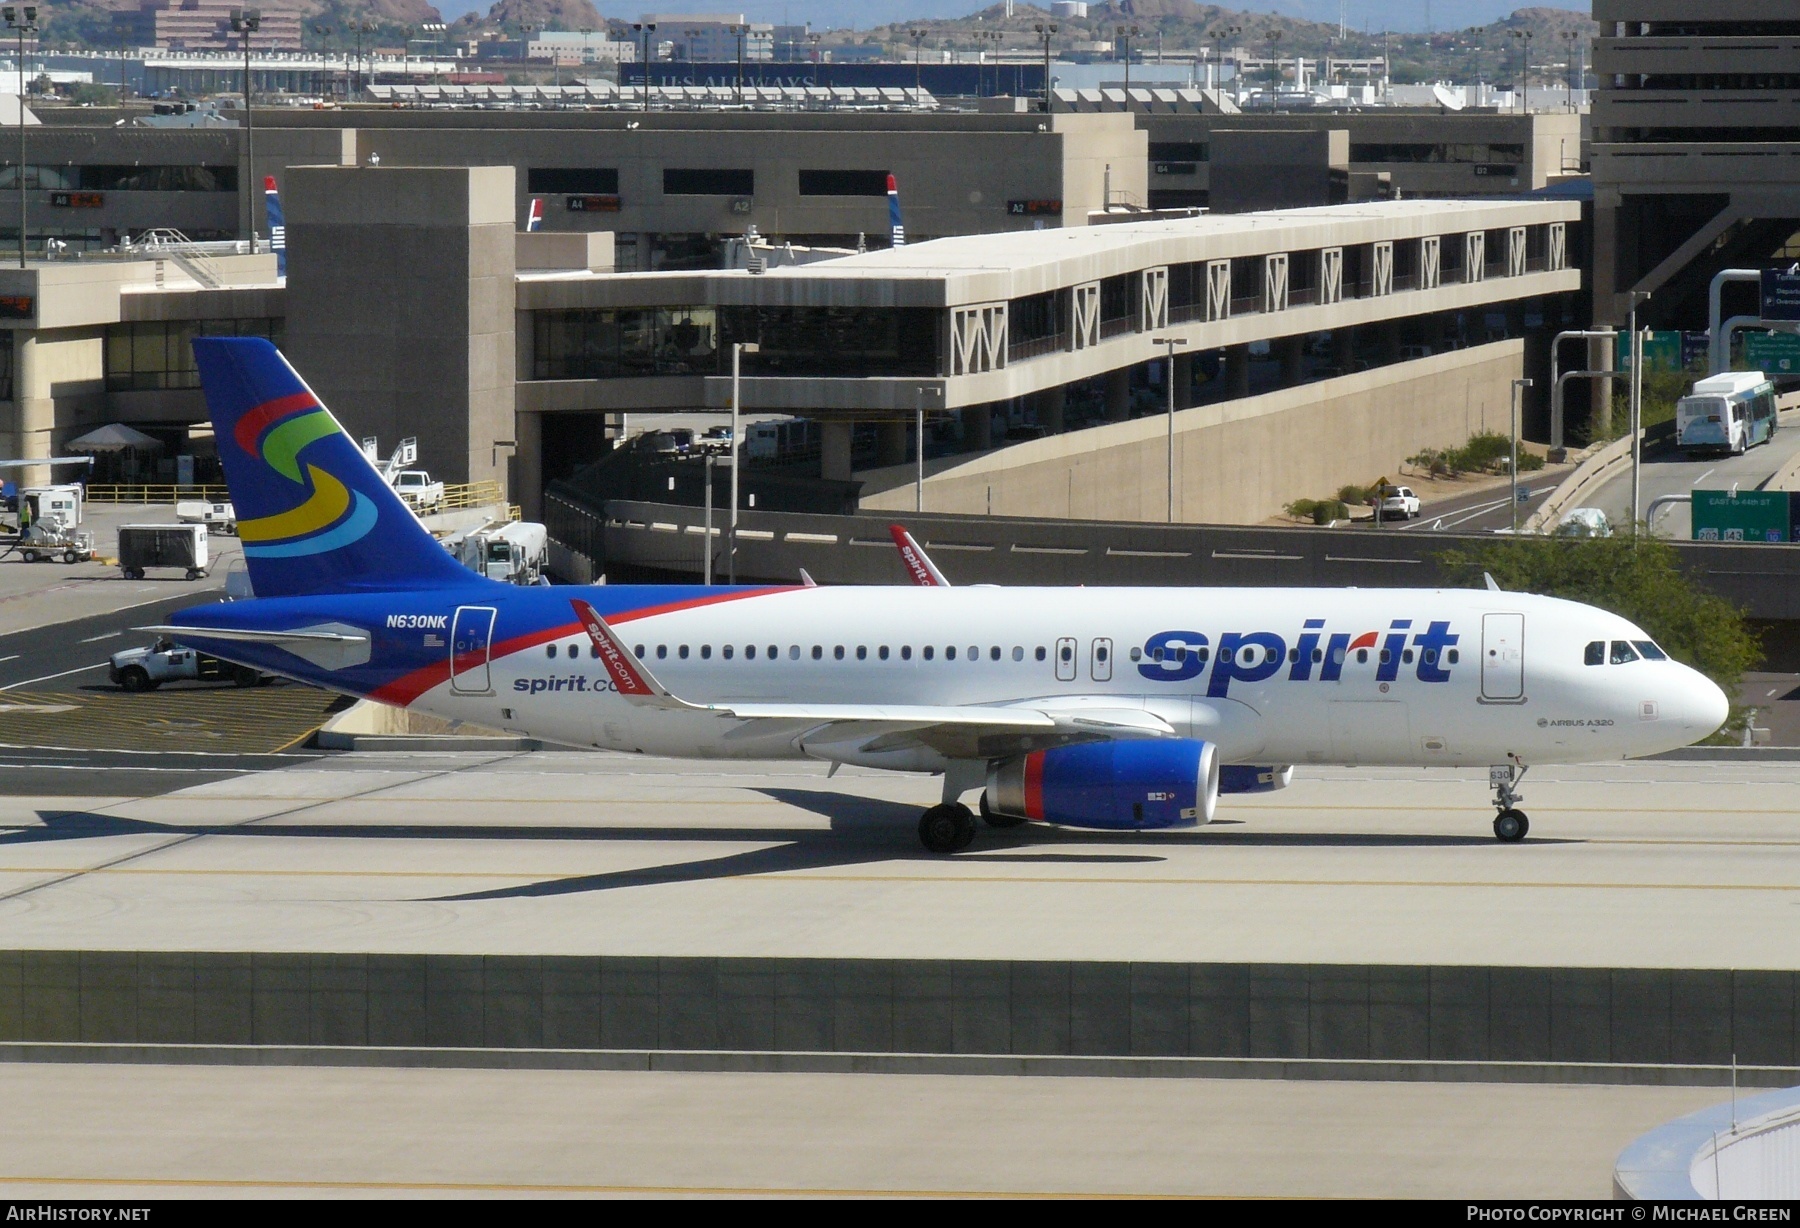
(1781, 293)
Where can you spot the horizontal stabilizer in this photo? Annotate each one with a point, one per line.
(246, 635)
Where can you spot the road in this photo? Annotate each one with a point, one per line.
(1668, 471)
(1484, 511)
(75, 653)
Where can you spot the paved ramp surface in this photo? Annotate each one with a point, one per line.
(1652, 865)
(126, 1132)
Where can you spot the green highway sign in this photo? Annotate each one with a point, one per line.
(1747, 516)
(1773, 353)
(1662, 351)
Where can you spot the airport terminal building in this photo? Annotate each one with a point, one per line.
(1335, 339)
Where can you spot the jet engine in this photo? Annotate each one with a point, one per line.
(1126, 785)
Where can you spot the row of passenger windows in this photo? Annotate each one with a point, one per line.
(1623, 652)
(839, 652)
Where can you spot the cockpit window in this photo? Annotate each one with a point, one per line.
(1596, 653)
(1623, 652)
(1650, 651)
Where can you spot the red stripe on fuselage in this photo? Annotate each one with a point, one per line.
(408, 687)
(1034, 785)
(250, 427)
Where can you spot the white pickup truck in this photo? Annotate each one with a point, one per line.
(219, 517)
(417, 490)
(145, 669)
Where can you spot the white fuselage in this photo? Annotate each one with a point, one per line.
(1470, 677)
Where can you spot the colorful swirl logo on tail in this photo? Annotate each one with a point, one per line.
(332, 516)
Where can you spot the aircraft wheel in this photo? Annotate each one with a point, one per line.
(994, 819)
(1510, 826)
(947, 828)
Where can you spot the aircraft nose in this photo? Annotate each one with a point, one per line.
(1699, 705)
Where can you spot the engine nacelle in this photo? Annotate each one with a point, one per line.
(1247, 778)
(1127, 785)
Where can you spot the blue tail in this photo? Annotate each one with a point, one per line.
(277, 225)
(313, 514)
(896, 232)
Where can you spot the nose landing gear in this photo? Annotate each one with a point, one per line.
(1510, 825)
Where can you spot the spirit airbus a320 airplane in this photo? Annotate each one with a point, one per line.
(1089, 707)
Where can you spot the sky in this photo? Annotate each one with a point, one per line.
(1362, 14)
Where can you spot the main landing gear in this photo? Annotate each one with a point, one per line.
(947, 828)
(1510, 825)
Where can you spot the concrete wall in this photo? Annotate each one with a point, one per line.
(400, 300)
(1236, 462)
(1398, 1013)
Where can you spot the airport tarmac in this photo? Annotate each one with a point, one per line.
(1657, 864)
(158, 1132)
(34, 595)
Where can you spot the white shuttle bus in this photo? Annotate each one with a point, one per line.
(1730, 413)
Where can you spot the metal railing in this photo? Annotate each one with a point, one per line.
(456, 495)
(153, 492)
(473, 494)
(1056, 343)
(188, 257)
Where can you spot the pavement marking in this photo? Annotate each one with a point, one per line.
(95, 639)
(679, 871)
(15, 657)
(187, 838)
(47, 677)
(727, 1191)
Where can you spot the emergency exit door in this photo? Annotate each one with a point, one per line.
(471, 638)
(1503, 656)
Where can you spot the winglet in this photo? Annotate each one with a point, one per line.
(919, 566)
(1492, 587)
(633, 680)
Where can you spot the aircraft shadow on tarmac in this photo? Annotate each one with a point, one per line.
(862, 831)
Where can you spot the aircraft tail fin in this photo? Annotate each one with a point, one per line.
(313, 514)
(896, 232)
(534, 221)
(277, 225)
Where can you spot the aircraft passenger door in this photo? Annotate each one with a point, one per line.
(1503, 656)
(1065, 659)
(1100, 662)
(471, 636)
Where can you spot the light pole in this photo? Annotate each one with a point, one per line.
(1637, 409)
(122, 29)
(1524, 37)
(1044, 31)
(1577, 54)
(361, 28)
(327, 87)
(738, 350)
(23, 21)
(1218, 36)
(245, 22)
(1518, 389)
(740, 30)
(919, 445)
(918, 40)
(1124, 35)
(1169, 344)
(645, 30)
(1274, 36)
